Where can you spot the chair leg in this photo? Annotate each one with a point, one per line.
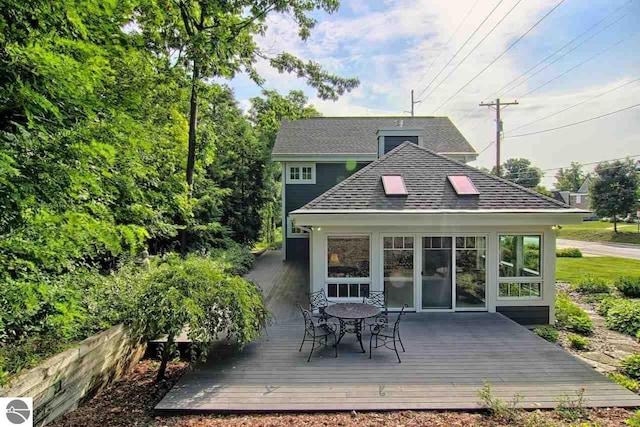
(396, 349)
(311, 352)
(370, 341)
(400, 339)
(304, 337)
(335, 346)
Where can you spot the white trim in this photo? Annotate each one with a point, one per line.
(520, 280)
(437, 218)
(292, 235)
(283, 196)
(300, 179)
(324, 158)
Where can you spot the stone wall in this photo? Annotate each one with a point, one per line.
(59, 384)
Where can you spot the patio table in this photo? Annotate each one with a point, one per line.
(354, 314)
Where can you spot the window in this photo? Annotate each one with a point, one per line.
(294, 232)
(398, 260)
(520, 272)
(347, 290)
(301, 173)
(348, 256)
(348, 274)
(471, 271)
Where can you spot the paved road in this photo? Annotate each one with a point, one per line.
(621, 250)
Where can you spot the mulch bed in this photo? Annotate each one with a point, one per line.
(130, 402)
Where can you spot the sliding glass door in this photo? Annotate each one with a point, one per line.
(436, 273)
(471, 273)
(398, 260)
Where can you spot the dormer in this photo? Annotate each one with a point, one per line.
(390, 138)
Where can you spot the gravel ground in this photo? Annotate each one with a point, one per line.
(130, 402)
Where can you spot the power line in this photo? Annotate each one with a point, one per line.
(461, 47)
(574, 123)
(560, 49)
(576, 105)
(473, 49)
(500, 56)
(553, 54)
(447, 44)
(591, 58)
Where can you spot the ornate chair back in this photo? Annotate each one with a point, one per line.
(396, 325)
(318, 300)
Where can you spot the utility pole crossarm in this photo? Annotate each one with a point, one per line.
(497, 104)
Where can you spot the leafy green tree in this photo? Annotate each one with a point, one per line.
(571, 178)
(521, 172)
(216, 39)
(195, 293)
(614, 190)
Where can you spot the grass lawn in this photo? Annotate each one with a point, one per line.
(599, 231)
(608, 268)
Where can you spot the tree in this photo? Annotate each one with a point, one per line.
(215, 39)
(571, 178)
(614, 190)
(521, 172)
(196, 293)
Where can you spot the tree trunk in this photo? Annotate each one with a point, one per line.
(166, 354)
(191, 155)
(615, 224)
(193, 122)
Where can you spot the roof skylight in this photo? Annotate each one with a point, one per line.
(394, 185)
(463, 185)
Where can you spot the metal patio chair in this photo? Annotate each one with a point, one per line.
(377, 299)
(385, 336)
(316, 332)
(318, 302)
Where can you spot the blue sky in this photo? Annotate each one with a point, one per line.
(390, 46)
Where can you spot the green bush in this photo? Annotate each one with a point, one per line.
(591, 285)
(235, 259)
(629, 286)
(577, 342)
(595, 298)
(568, 253)
(196, 292)
(631, 366)
(548, 333)
(605, 304)
(623, 315)
(571, 317)
(634, 421)
(624, 381)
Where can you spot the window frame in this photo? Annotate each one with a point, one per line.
(290, 232)
(346, 280)
(521, 280)
(300, 167)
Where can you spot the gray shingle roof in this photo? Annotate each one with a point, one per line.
(357, 135)
(425, 176)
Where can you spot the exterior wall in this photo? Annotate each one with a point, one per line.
(297, 195)
(391, 142)
(59, 384)
(546, 302)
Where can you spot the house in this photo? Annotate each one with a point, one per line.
(377, 203)
(580, 199)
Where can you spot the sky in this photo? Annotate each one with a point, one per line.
(429, 46)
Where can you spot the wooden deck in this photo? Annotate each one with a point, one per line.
(448, 356)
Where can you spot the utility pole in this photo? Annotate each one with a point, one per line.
(413, 102)
(497, 104)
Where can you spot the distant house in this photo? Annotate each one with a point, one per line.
(580, 199)
(388, 203)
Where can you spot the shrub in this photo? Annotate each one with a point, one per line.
(196, 292)
(235, 259)
(591, 285)
(605, 304)
(634, 421)
(595, 298)
(624, 381)
(631, 366)
(629, 286)
(571, 317)
(505, 411)
(548, 333)
(623, 315)
(577, 342)
(572, 408)
(569, 253)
